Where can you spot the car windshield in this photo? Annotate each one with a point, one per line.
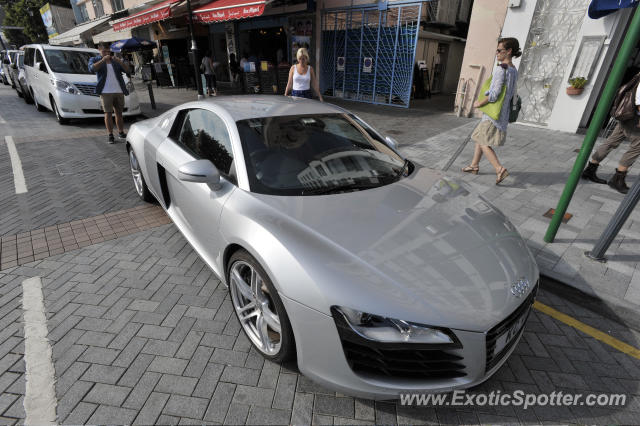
(316, 154)
(69, 61)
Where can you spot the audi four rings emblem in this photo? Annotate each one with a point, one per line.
(520, 287)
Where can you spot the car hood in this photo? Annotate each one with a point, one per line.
(421, 249)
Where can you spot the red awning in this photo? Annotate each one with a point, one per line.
(155, 13)
(225, 10)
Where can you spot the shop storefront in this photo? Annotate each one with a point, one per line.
(264, 36)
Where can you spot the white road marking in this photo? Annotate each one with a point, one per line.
(40, 395)
(16, 165)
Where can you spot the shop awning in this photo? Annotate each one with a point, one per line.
(110, 36)
(154, 13)
(73, 36)
(225, 10)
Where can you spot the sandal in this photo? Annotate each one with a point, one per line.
(501, 175)
(471, 169)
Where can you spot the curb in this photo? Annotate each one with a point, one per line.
(609, 308)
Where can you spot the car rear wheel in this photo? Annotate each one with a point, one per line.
(38, 106)
(138, 179)
(259, 309)
(26, 95)
(61, 119)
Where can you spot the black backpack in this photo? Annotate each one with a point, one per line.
(624, 104)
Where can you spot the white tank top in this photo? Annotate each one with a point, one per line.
(301, 81)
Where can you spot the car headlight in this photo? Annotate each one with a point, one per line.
(130, 87)
(64, 86)
(390, 330)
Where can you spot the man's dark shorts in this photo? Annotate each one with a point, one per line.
(112, 102)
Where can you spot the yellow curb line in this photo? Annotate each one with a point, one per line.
(596, 334)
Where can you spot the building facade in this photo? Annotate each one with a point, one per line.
(559, 41)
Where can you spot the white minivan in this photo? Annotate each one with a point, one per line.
(59, 79)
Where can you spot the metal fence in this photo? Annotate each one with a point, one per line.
(368, 54)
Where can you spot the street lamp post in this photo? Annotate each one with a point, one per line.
(194, 52)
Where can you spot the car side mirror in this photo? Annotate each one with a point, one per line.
(41, 66)
(200, 171)
(392, 142)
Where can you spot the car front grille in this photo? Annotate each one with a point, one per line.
(86, 89)
(99, 111)
(492, 336)
(398, 360)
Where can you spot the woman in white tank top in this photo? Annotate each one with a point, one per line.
(302, 78)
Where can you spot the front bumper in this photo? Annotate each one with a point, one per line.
(321, 357)
(85, 106)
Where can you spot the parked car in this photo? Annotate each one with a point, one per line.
(58, 79)
(381, 276)
(8, 57)
(18, 75)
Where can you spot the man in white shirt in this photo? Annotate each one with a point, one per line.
(624, 130)
(110, 87)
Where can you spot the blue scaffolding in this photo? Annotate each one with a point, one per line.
(368, 52)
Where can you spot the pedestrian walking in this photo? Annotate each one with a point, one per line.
(302, 78)
(234, 67)
(110, 87)
(207, 68)
(493, 132)
(625, 129)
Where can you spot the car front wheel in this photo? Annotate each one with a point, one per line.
(259, 308)
(61, 119)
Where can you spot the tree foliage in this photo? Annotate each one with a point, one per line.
(26, 13)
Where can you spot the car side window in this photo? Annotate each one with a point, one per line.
(39, 58)
(28, 56)
(205, 135)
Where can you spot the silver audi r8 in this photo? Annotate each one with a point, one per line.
(379, 275)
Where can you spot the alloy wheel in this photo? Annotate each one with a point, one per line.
(136, 173)
(255, 308)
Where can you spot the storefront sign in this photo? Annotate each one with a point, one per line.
(367, 64)
(153, 14)
(340, 64)
(226, 10)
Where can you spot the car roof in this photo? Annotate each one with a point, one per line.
(242, 107)
(50, 47)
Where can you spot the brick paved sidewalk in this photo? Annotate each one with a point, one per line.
(143, 332)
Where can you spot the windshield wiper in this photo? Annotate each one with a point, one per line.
(339, 188)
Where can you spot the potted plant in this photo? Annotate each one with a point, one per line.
(577, 85)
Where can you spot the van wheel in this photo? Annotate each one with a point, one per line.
(38, 106)
(61, 119)
(26, 95)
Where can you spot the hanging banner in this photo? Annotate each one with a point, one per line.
(600, 8)
(47, 19)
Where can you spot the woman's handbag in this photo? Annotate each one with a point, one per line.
(492, 109)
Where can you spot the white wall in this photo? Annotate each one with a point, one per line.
(568, 111)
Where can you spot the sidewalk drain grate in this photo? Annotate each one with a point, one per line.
(565, 219)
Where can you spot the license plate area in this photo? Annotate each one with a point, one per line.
(510, 333)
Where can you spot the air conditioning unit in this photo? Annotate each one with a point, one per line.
(441, 12)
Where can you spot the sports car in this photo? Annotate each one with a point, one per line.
(378, 275)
